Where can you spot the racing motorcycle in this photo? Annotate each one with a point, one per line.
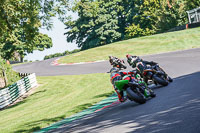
(136, 91)
(155, 74)
(149, 71)
(116, 62)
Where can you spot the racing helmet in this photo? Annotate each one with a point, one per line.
(132, 60)
(116, 62)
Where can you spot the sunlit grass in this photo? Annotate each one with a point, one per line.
(160, 43)
(56, 98)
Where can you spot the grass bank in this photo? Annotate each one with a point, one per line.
(160, 43)
(57, 98)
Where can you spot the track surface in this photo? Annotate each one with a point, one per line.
(175, 109)
(175, 63)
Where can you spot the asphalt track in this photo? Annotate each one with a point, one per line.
(175, 109)
(175, 63)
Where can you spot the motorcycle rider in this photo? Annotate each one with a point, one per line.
(141, 65)
(116, 62)
(116, 75)
(135, 61)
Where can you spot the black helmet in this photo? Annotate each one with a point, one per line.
(116, 62)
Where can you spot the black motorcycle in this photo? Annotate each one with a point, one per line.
(155, 74)
(136, 91)
(116, 62)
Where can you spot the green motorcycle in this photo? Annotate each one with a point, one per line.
(136, 91)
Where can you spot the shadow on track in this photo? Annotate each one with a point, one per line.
(175, 109)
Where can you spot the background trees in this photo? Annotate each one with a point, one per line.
(20, 21)
(102, 22)
(96, 25)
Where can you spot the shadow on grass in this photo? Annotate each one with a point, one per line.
(22, 101)
(38, 92)
(33, 126)
(165, 115)
(15, 105)
(104, 95)
(81, 107)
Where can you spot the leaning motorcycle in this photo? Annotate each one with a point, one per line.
(116, 62)
(136, 91)
(156, 75)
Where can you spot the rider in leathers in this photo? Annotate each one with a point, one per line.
(136, 62)
(116, 75)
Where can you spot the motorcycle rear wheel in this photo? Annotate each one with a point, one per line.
(170, 79)
(135, 97)
(160, 80)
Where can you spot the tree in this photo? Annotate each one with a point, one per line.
(103, 22)
(39, 42)
(155, 16)
(20, 21)
(191, 4)
(100, 22)
(96, 25)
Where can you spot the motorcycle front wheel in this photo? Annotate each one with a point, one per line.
(139, 98)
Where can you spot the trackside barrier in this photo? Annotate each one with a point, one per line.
(16, 90)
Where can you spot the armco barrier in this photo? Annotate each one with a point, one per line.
(13, 92)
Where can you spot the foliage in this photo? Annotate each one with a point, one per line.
(96, 25)
(61, 54)
(39, 42)
(156, 16)
(104, 22)
(20, 21)
(136, 31)
(11, 75)
(191, 4)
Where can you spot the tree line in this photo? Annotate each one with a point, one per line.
(61, 54)
(20, 21)
(99, 22)
(102, 22)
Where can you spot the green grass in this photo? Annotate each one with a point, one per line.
(159, 43)
(61, 96)
(56, 98)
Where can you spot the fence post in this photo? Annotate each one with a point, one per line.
(5, 77)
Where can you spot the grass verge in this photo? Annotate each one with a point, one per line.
(160, 43)
(57, 98)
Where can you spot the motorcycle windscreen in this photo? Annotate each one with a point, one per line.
(120, 84)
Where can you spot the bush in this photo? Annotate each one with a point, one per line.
(135, 31)
(61, 54)
(11, 75)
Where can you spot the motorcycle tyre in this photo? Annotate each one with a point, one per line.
(134, 97)
(170, 79)
(160, 80)
(152, 94)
